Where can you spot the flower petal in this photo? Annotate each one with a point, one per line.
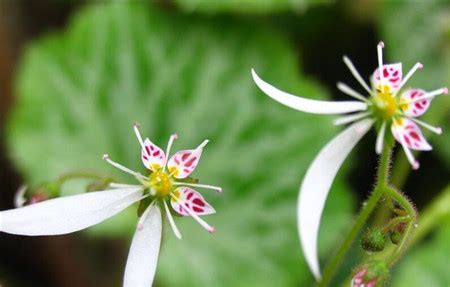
(410, 133)
(307, 105)
(143, 257)
(316, 185)
(153, 157)
(415, 109)
(67, 214)
(392, 78)
(184, 162)
(193, 200)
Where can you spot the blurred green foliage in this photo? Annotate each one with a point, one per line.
(80, 91)
(248, 6)
(426, 265)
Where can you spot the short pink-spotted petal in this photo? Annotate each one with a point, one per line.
(414, 109)
(184, 162)
(153, 157)
(193, 200)
(391, 77)
(406, 131)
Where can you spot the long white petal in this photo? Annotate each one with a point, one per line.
(67, 214)
(316, 185)
(308, 105)
(144, 251)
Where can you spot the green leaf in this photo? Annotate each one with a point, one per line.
(420, 32)
(79, 92)
(427, 264)
(248, 6)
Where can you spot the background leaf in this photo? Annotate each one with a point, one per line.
(248, 6)
(80, 92)
(414, 270)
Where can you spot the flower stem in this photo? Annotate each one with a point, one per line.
(409, 230)
(366, 210)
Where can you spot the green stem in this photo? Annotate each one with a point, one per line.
(367, 209)
(395, 221)
(409, 230)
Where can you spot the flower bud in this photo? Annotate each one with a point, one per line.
(374, 240)
(372, 274)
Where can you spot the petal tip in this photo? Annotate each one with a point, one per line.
(203, 144)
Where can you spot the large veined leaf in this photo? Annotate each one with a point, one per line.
(247, 6)
(420, 32)
(427, 264)
(80, 91)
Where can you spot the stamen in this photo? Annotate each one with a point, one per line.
(203, 223)
(349, 91)
(355, 74)
(144, 215)
(380, 47)
(380, 138)
(121, 185)
(172, 138)
(138, 134)
(123, 168)
(351, 118)
(172, 222)
(410, 73)
(441, 91)
(436, 130)
(207, 186)
(414, 163)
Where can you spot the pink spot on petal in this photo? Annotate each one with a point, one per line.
(198, 201)
(197, 209)
(185, 156)
(407, 140)
(190, 162)
(415, 136)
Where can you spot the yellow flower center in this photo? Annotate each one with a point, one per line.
(385, 104)
(160, 182)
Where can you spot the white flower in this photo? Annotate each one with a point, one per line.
(167, 181)
(384, 106)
